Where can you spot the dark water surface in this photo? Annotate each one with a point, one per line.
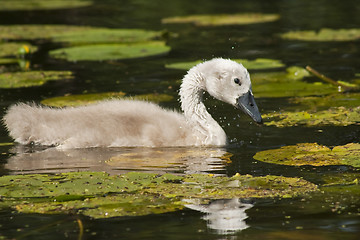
(320, 216)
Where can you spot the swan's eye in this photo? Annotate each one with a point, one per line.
(237, 81)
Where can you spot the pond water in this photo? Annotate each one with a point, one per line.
(316, 216)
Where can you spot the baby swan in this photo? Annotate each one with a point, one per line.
(119, 123)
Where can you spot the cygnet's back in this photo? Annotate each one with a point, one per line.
(106, 124)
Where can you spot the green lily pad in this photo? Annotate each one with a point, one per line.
(100, 195)
(260, 63)
(76, 34)
(312, 154)
(288, 84)
(223, 19)
(324, 35)
(31, 78)
(316, 103)
(15, 49)
(337, 116)
(84, 99)
(101, 52)
(18, 5)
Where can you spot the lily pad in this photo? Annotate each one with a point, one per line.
(76, 34)
(337, 116)
(15, 49)
(101, 52)
(288, 84)
(312, 154)
(31, 78)
(100, 195)
(84, 99)
(18, 5)
(223, 19)
(260, 63)
(324, 35)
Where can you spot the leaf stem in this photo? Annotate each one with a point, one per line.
(328, 80)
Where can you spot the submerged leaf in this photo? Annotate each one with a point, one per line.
(312, 154)
(100, 195)
(223, 19)
(337, 116)
(101, 52)
(18, 5)
(84, 99)
(324, 35)
(260, 63)
(31, 78)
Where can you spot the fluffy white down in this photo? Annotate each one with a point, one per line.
(110, 123)
(117, 123)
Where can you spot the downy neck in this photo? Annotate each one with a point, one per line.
(206, 129)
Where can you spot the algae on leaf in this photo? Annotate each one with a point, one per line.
(84, 99)
(337, 116)
(100, 195)
(259, 63)
(100, 52)
(18, 5)
(223, 19)
(312, 154)
(316, 103)
(31, 78)
(324, 34)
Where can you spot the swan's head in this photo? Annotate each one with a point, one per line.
(230, 82)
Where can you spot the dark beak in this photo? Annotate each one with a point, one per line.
(247, 103)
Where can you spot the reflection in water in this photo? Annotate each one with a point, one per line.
(223, 216)
(118, 160)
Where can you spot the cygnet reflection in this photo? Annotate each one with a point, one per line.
(118, 160)
(224, 216)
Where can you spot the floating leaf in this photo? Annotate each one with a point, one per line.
(314, 103)
(288, 84)
(101, 52)
(31, 78)
(18, 5)
(100, 195)
(337, 116)
(76, 34)
(84, 99)
(15, 49)
(260, 63)
(312, 154)
(223, 19)
(324, 35)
